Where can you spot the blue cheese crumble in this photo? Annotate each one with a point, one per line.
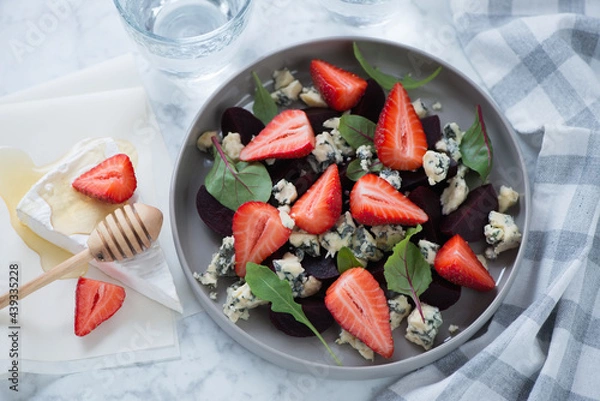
(399, 309)
(284, 192)
(339, 236)
(232, 146)
(428, 250)
(436, 166)
(366, 153)
(347, 338)
(311, 97)
(288, 94)
(456, 192)
(204, 141)
(391, 176)
(387, 235)
(290, 269)
(326, 152)
(420, 108)
(305, 243)
(450, 142)
(240, 300)
(507, 198)
(423, 332)
(221, 264)
(364, 246)
(502, 233)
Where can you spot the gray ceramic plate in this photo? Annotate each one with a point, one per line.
(195, 243)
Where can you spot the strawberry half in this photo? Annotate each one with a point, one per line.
(257, 233)
(399, 138)
(287, 136)
(374, 201)
(95, 302)
(358, 304)
(111, 181)
(340, 89)
(457, 263)
(321, 206)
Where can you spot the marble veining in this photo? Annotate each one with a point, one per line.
(45, 39)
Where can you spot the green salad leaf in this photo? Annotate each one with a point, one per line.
(264, 107)
(233, 184)
(356, 130)
(406, 271)
(387, 81)
(266, 285)
(345, 260)
(476, 147)
(354, 170)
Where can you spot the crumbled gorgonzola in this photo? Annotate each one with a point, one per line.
(305, 243)
(332, 123)
(288, 94)
(221, 264)
(423, 332)
(420, 108)
(365, 154)
(391, 176)
(339, 236)
(232, 146)
(326, 152)
(282, 78)
(204, 141)
(286, 219)
(240, 300)
(507, 198)
(437, 106)
(399, 309)
(436, 166)
(284, 192)
(387, 235)
(502, 233)
(290, 269)
(454, 194)
(450, 142)
(347, 338)
(452, 329)
(311, 96)
(364, 246)
(428, 250)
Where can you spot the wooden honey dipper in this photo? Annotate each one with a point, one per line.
(122, 234)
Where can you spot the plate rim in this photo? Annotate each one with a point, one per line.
(353, 372)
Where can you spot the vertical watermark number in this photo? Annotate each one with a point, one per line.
(14, 327)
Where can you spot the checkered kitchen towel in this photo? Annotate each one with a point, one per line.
(540, 60)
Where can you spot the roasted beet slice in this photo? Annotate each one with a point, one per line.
(320, 267)
(318, 115)
(433, 130)
(240, 120)
(297, 171)
(315, 311)
(371, 103)
(470, 218)
(216, 216)
(413, 179)
(428, 200)
(441, 292)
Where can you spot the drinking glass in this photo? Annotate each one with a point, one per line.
(362, 13)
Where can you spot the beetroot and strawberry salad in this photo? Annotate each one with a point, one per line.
(343, 201)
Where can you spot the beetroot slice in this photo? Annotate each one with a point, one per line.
(320, 267)
(216, 216)
(318, 115)
(470, 218)
(433, 130)
(371, 103)
(429, 201)
(315, 311)
(297, 171)
(240, 120)
(441, 292)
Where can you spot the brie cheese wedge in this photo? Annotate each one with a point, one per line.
(63, 216)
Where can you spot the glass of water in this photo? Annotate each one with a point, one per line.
(188, 38)
(361, 13)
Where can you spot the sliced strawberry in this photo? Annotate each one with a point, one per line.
(321, 206)
(457, 263)
(95, 302)
(289, 135)
(340, 89)
(374, 201)
(358, 304)
(399, 137)
(111, 181)
(257, 233)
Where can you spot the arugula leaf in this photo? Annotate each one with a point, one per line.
(233, 184)
(264, 107)
(406, 270)
(266, 285)
(387, 81)
(476, 147)
(345, 260)
(356, 130)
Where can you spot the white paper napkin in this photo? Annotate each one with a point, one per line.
(45, 122)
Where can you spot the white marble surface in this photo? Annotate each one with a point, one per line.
(45, 39)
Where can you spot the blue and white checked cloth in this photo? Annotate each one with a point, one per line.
(540, 61)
